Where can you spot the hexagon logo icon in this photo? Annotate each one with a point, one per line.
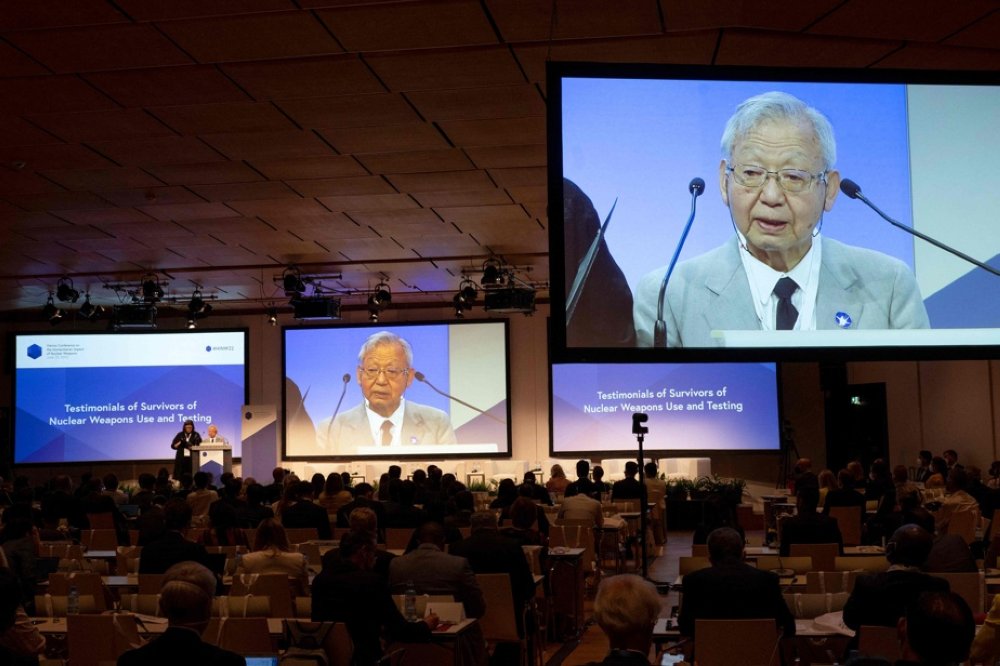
(34, 351)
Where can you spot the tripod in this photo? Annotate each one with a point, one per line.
(640, 431)
(790, 454)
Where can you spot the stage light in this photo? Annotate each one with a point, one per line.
(197, 304)
(291, 281)
(88, 310)
(460, 306)
(272, 316)
(382, 296)
(373, 309)
(151, 289)
(492, 273)
(65, 291)
(467, 292)
(51, 312)
(191, 322)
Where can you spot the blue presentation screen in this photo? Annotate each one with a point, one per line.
(691, 407)
(123, 396)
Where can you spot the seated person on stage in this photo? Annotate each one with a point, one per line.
(583, 485)
(186, 602)
(626, 609)
(347, 590)
(808, 526)
(731, 589)
(882, 598)
(939, 629)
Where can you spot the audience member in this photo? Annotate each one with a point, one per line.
(20, 641)
(186, 602)
(600, 486)
(858, 475)
(334, 496)
(957, 500)
(535, 491)
(581, 507)
(626, 609)
(986, 646)
(170, 546)
(938, 629)
(506, 494)
(732, 589)
(583, 485)
(256, 508)
(881, 598)
(845, 494)
(277, 486)
(364, 520)
(939, 473)
(272, 554)
(827, 482)
(301, 512)
(201, 497)
(557, 482)
(628, 488)
(405, 514)
(903, 484)
(362, 498)
(808, 526)
(347, 590)
(223, 529)
(951, 459)
(923, 471)
(112, 491)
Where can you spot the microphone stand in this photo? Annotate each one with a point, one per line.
(640, 431)
(346, 378)
(696, 187)
(853, 190)
(420, 377)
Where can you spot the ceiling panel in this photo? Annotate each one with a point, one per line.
(503, 102)
(14, 182)
(164, 86)
(574, 19)
(468, 216)
(364, 249)
(57, 201)
(109, 218)
(374, 110)
(212, 118)
(148, 228)
(100, 47)
(158, 151)
(56, 13)
(739, 47)
(101, 125)
(369, 202)
(206, 174)
(927, 56)
(484, 197)
(450, 68)
(16, 131)
(16, 63)
(332, 187)
(309, 167)
(101, 179)
(157, 10)
(410, 25)
(304, 77)
(50, 94)
(917, 20)
(188, 211)
(254, 146)
(244, 191)
(784, 15)
(980, 34)
(451, 181)
(519, 176)
(252, 36)
(492, 157)
(278, 207)
(385, 139)
(495, 131)
(54, 156)
(415, 161)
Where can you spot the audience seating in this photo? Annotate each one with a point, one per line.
(60, 549)
(147, 604)
(499, 623)
(971, 586)
(276, 586)
(872, 563)
(830, 582)
(736, 643)
(699, 549)
(247, 605)
(101, 521)
(150, 583)
(338, 645)
(964, 525)
(694, 563)
(54, 605)
(810, 605)
(86, 583)
(800, 565)
(243, 635)
(95, 640)
(849, 522)
(823, 554)
(301, 534)
(303, 607)
(128, 560)
(398, 538)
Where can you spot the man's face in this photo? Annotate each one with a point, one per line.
(383, 392)
(778, 225)
(212, 431)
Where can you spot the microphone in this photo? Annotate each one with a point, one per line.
(420, 377)
(853, 190)
(696, 187)
(586, 264)
(346, 378)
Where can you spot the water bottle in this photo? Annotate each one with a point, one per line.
(410, 603)
(73, 601)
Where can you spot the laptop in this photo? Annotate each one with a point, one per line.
(266, 660)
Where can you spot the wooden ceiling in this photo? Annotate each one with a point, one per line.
(214, 142)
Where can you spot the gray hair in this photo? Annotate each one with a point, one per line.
(772, 106)
(187, 592)
(385, 338)
(626, 604)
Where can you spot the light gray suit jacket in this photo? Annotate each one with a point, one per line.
(711, 292)
(350, 429)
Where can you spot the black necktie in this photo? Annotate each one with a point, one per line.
(787, 314)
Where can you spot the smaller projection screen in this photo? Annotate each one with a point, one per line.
(99, 397)
(450, 400)
(691, 407)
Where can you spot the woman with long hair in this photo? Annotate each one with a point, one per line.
(557, 480)
(272, 554)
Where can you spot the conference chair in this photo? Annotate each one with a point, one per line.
(499, 622)
(880, 642)
(301, 534)
(849, 523)
(964, 525)
(809, 605)
(150, 583)
(830, 582)
(60, 549)
(99, 539)
(736, 643)
(276, 586)
(699, 549)
(798, 564)
(127, 561)
(55, 605)
(871, 563)
(337, 643)
(87, 583)
(101, 521)
(147, 604)
(822, 554)
(94, 640)
(247, 605)
(971, 586)
(243, 635)
(687, 565)
(398, 538)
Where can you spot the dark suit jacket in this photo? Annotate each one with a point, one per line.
(179, 646)
(345, 511)
(626, 489)
(881, 599)
(171, 548)
(490, 552)
(733, 591)
(343, 593)
(306, 514)
(844, 497)
(433, 571)
(809, 529)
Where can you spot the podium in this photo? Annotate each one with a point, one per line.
(214, 458)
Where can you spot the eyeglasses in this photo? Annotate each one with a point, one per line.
(790, 180)
(390, 373)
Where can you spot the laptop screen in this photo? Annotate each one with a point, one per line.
(269, 660)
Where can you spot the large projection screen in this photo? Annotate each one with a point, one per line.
(467, 361)
(633, 137)
(691, 407)
(102, 397)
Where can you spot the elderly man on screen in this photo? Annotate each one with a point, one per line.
(777, 178)
(385, 418)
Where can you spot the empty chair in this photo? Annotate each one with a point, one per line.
(699, 549)
(246, 605)
(689, 564)
(810, 605)
(823, 554)
(499, 622)
(736, 643)
(830, 582)
(101, 521)
(60, 549)
(99, 539)
(95, 640)
(849, 523)
(277, 586)
(874, 563)
(799, 565)
(301, 534)
(963, 524)
(128, 560)
(971, 586)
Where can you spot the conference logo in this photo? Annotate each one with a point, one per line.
(34, 351)
(210, 348)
